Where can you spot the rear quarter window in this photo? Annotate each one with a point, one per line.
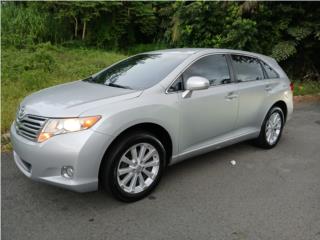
(269, 70)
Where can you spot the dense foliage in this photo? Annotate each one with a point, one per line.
(288, 31)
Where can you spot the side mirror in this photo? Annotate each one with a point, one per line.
(195, 83)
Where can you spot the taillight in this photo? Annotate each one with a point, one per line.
(291, 87)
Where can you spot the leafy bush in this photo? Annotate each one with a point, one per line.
(284, 50)
(306, 88)
(289, 31)
(22, 25)
(139, 48)
(41, 59)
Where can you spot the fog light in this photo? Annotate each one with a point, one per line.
(67, 172)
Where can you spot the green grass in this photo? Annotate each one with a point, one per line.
(29, 70)
(306, 88)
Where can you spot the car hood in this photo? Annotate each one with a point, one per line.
(71, 99)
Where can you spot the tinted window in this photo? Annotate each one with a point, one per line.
(140, 71)
(176, 86)
(270, 72)
(214, 68)
(247, 68)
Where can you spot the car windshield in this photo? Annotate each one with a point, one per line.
(139, 72)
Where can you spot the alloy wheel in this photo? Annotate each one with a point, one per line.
(273, 128)
(138, 168)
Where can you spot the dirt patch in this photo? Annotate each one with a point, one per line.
(307, 98)
(5, 143)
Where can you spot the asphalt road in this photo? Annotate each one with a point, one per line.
(268, 194)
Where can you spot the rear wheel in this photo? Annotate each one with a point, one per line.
(134, 166)
(271, 129)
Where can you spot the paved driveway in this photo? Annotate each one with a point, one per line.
(272, 194)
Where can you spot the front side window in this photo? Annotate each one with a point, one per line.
(247, 68)
(139, 72)
(213, 67)
(177, 85)
(270, 72)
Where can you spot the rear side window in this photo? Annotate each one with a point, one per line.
(247, 68)
(213, 67)
(270, 72)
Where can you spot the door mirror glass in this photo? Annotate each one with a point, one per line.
(196, 83)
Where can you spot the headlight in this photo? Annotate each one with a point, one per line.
(65, 125)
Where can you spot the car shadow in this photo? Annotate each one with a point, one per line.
(212, 157)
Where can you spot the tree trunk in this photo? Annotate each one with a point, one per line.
(84, 29)
(75, 27)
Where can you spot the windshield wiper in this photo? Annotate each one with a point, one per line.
(88, 79)
(117, 85)
(110, 84)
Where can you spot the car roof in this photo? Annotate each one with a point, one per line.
(206, 50)
(179, 50)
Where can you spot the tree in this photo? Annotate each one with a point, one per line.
(288, 31)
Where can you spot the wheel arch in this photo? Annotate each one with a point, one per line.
(159, 131)
(281, 104)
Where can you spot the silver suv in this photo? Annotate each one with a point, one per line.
(121, 127)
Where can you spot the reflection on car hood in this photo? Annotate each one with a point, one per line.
(71, 99)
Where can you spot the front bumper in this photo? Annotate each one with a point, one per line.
(82, 150)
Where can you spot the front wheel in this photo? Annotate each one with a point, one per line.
(134, 166)
(271, 129)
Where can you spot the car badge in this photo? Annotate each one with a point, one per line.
(21, 113)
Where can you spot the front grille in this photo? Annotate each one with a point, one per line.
(29, 126)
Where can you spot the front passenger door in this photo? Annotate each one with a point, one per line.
(210, 113)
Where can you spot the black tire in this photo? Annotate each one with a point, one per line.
(108, 173)
(261, 141)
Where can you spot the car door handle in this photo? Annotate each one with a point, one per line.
(231, 96)
(268, 88)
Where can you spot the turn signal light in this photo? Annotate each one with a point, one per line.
(44, 136)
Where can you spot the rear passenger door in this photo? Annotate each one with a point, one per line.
(253, 90)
